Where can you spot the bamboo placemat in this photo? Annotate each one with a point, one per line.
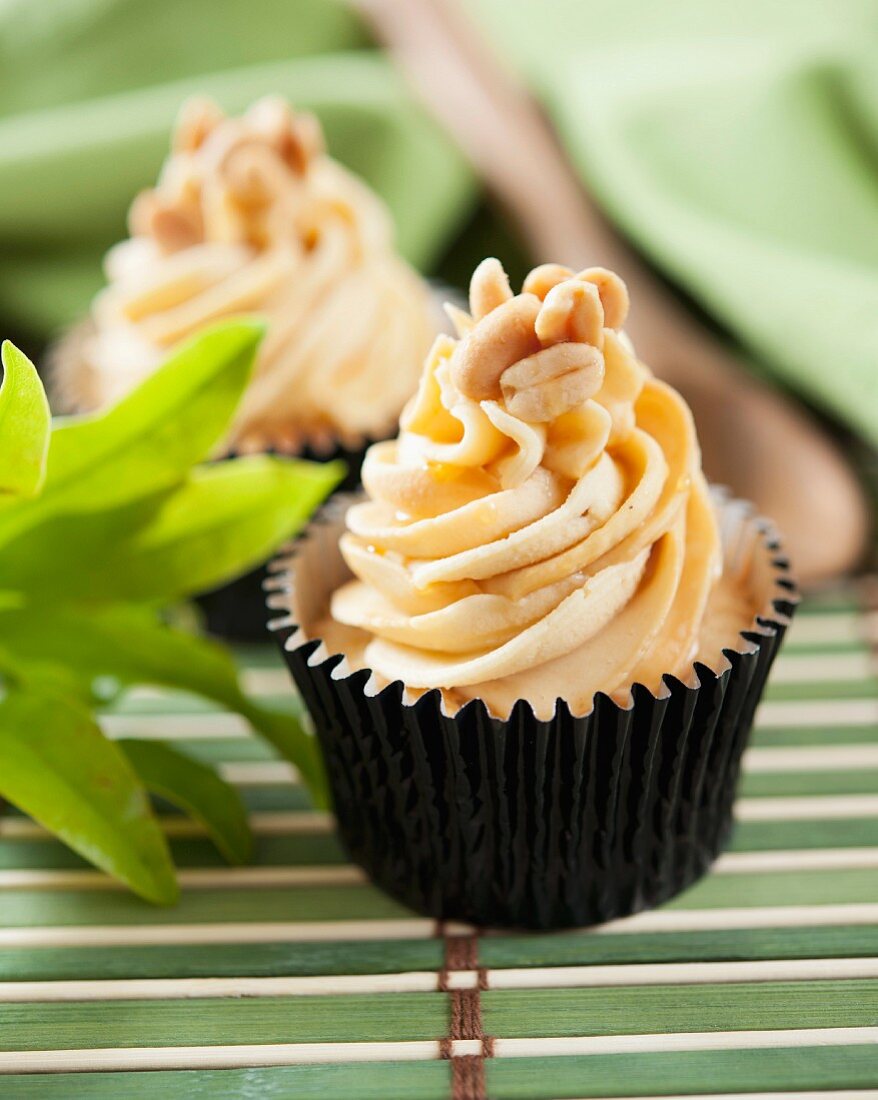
(295, 978)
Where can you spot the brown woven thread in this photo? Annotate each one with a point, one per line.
(468, 1077)
(466, 1014)
(468, 1070)
(461, 953)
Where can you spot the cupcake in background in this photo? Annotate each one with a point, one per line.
(250, 215)
(534, 648)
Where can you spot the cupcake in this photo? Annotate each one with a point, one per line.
(533, 650)
(250, 215)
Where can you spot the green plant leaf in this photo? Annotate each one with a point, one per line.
(294, 743)
(222, 521)
(17, 669)
(129, 644)
(57, 766)
(101, 520)
(132, 646)
(24, 426)
(153, 436)
(33, 563)
(197, 790)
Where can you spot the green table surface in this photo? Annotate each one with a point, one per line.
(294, 977)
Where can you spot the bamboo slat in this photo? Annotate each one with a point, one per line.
(295, 977)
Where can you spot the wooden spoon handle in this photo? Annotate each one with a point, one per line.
(754, 439)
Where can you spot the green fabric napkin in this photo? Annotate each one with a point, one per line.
(737, 145)
(89, 90)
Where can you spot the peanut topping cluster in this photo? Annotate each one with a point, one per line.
(541, 350)
(228, 175)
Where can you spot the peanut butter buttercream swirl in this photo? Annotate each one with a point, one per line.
(251, 216)
(541, 529)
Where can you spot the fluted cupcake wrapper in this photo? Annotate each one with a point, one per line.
(523, 822)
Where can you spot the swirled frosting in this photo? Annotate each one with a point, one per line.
(541, 528)
(251, 216)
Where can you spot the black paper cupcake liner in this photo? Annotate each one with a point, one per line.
(523, 822)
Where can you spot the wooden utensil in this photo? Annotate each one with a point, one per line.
(756, 440)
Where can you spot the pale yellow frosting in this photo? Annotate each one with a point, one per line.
(251, 216)
(541, 528)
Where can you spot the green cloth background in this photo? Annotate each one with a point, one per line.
(735, 142)
(89, 90)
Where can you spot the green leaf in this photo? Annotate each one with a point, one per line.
(57, 766)
(131, 645)
(153, 436)
(24, 426)
(196, 789)
(294, 743)
(18, 669)
(226, 519)
(35, 562)
(100, 515)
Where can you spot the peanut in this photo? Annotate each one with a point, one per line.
(197, 119)
(541, 280)
(551, 382)
(303, 142)
(173, 228)
(296, 135)
(271, 116)
(501, 339)
(488, 288)
(613, 294)
(572, 310)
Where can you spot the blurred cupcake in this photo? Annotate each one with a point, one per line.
(250, 215)
(533, 653)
